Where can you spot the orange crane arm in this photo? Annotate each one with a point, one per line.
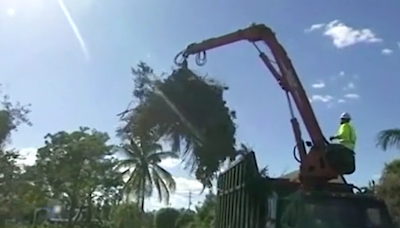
(285, 75)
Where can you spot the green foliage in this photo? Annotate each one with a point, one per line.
(186, 218)
(187, 110)
(389, 188)
(389, 138)
(11, 116)
(205, 213)
(73, 166)
(9, 185)
(76, 172)
(12, 203)
(124, 215)
(166, 218)
(389, 184)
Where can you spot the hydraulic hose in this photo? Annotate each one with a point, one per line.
(295, 155)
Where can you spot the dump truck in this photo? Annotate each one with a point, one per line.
(247, 199)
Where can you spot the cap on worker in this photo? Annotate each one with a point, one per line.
(345, 115)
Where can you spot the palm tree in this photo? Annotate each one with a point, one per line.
(143, 171)
(389, 138)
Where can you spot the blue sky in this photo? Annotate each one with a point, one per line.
(78, 74)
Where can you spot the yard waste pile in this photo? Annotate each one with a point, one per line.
(195, 108)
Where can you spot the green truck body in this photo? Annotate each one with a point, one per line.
(246, 199)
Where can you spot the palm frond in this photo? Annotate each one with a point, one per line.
(132, 185)
(389, 138)
(134, 146)
(125, 173)
(127, 151)
(175, 139)
(150, 147)
(161, 187)
(148, 180)
(139, 184)
(166, 176)
(127, 163)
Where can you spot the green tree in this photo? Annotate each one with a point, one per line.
(389, 188)
(74, 166)
(166, 218)
(11, 196)
(389, 138)
(11, 116)
(185, 219)
(141, 167)
(205, 213)
(125, 215)
(189, 112)
(10, 186)
(34, 190)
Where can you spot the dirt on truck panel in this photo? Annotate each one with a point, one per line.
(248, 200)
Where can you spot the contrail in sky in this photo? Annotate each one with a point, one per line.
(74, 28)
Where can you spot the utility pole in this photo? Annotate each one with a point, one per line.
(190, 200)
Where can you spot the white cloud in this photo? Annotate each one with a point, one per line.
(341, 101)
(185, 185)
(27, 156)
(344, 36)
(335, 77)
(352, 96)
(179, 199)
(318, 85)
(386, 51)
(315, 27)
(398, 44)
(321, 98)
(349, 86)
(170, 162)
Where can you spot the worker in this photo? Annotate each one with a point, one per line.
(346, 133)
(342, 158)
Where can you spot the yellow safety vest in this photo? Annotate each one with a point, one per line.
(347, 135)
